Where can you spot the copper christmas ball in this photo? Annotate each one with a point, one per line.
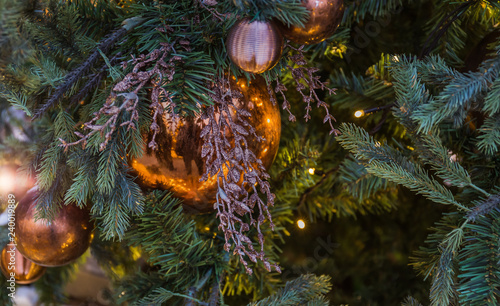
(177, 165)
(55, 243)
(254, 46)
(324, 18)
(14, 264)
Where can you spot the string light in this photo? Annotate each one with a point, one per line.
(301, 224)
(362, 112)
(7, 181)
(311, 171)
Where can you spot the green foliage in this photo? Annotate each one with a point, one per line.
(479, 270)
(441, 112)
(305, 290)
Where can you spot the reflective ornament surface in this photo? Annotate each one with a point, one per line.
(56, 243)
(324, 18)
(254, 47)
(177, 165)
(12, 261)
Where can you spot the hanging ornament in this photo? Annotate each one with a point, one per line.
(177, 165)
(55, 243)
(254, 46)
(14, 264)
(324, 18)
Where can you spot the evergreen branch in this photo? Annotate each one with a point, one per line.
(484, 207)
(298, 292)
(479, 264)
(171, 241)
(435, 154)
(410, 301)
(75, 75)
(442, 27)
(492, 102)
(161, 295)
(289, 12)
(192, 291)
(95, 80)
(216, 290)
(457, 96)
(360, 183)
(489, 139)
(385, 162)
(311, 189)
(443, 282)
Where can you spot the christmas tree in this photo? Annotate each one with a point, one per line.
(256, 152)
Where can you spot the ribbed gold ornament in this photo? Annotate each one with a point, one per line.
(176, 164)
(25, 271)
(254, 46)
(324, 18)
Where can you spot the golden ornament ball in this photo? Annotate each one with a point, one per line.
(55, 243)
(176, 164)
(324, 18)
(254, 46)
(14, 265)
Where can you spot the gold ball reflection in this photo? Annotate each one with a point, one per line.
(324, 18)
(56, 243)
(177, 165)
(25, 271)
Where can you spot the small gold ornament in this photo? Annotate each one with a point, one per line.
(177, 164)
(254, 46)
(324, 18)
(56, 243)
(14, 264)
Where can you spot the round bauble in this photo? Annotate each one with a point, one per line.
(24, 270)
(55, 243)
(254, 46)
(177, 165)
(324, 18)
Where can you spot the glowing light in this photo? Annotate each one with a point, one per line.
(7, 181)
(301, 224)
(359, 113)
(311, 171)
(268, 120)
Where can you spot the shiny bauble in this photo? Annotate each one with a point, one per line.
(254, 46)
(324, 18)
(55, 243)
(14, 264)
(177, 165)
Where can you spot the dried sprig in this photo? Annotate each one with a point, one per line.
(305, 80)
(141, 75)
(227, 156)
(77, 74)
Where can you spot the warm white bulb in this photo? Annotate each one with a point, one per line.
(7, 181)
(359, 113)
(301, 224)
(311, 171)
